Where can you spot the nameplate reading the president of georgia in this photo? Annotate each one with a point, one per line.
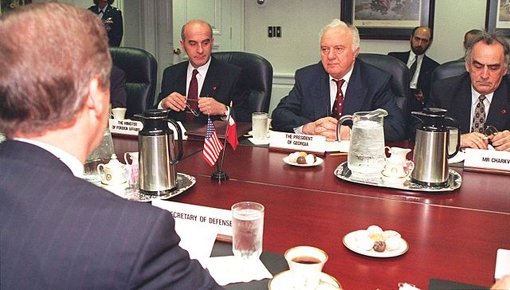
(125, 127)
(487, 159)
(297, 142)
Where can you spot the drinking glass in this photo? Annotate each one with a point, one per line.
(100, 155)
(260, 125)
(247, 229)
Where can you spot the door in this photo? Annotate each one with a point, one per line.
(225, 16)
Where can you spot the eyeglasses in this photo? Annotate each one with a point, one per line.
(490, 130)
(195, 113)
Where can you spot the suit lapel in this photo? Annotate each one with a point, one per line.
(211, 81)
(355, 93)
(322, 107)
(500, 107)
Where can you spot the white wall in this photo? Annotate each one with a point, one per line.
(301, 21)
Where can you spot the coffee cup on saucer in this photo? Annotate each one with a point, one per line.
(305, 264)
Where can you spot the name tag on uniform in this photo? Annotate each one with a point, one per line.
(487, 159)
(297, 142)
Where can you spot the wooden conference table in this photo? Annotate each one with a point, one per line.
(451, 236)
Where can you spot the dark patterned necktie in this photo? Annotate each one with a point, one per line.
(339, 100)
(192, 98)
(412, 69)
(479, 116)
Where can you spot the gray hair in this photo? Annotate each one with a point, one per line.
(339, 23)
(489, 39)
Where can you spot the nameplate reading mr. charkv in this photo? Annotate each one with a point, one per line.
(487, 159)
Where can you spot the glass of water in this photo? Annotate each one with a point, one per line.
(247, 229)
(100, 155)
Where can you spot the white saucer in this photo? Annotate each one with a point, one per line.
(459, 157)
(318, 161)
(350, 242)
(282, 282)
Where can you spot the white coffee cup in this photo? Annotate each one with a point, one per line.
(119, 113)
(305, 264)
(260, 125)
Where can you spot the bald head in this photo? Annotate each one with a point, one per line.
(421, 38)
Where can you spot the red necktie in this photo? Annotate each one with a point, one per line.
(192, 96)
(339, 100)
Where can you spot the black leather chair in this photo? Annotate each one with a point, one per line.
(256, 78)
(141, 77)
(399, 76)
(448, 69)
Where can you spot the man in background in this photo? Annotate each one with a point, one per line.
(58, 231)
(341, 84)
(202, 86)
(112, 19)
(480, 97)
(420, 66)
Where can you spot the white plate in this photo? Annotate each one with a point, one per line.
(318, 161)
(459, 157)
(350, 243)
(282, 281)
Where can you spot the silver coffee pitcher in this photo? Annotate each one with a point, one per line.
(157, 158)
(431, 148)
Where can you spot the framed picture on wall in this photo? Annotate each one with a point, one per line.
(497, 16)
(6, 5)
(387, 19)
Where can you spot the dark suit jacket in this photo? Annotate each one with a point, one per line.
(112, 18)
(220, 83)
(454, 95)
(118, 93)
(427, 66)
(309, 99)
(61, 232)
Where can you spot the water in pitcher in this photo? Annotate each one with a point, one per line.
(366, 155)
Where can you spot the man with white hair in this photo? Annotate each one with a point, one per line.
(339, 85)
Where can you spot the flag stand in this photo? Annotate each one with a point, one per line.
(220, 175)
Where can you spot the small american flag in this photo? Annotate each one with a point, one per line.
(212, 145)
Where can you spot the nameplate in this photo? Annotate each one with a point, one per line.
(487, 159)
(297, 142)
(221, 219)
(125, 127)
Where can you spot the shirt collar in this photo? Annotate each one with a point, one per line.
(475, 95)
(346, 77)
(202, 70)
(69, 160)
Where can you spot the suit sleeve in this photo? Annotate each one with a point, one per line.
(288, 114)
(117, 30)
(162, 264)
(118, 88)
(394, 123)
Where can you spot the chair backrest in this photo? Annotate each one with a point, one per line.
(399, 76)
(141, 77)
(448, 69)
(256, 77)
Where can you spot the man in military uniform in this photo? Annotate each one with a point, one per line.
(112, 19)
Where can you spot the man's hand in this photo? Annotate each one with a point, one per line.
(474, 140)
(327, 127)
(175, 102)
(501, 140)
(209, 106)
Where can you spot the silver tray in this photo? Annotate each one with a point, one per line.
(184, 182)
(454, 181)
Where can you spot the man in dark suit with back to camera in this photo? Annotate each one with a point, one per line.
(203, 85)
(316, 100)
(58, 231)
(479, 97)
(112, 19)
(420, 66)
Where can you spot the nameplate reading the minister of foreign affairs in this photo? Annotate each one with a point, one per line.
(297, 142)
(487, 159)
(125, 127)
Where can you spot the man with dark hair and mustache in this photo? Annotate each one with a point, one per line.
(479, 98)
(420, 66)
